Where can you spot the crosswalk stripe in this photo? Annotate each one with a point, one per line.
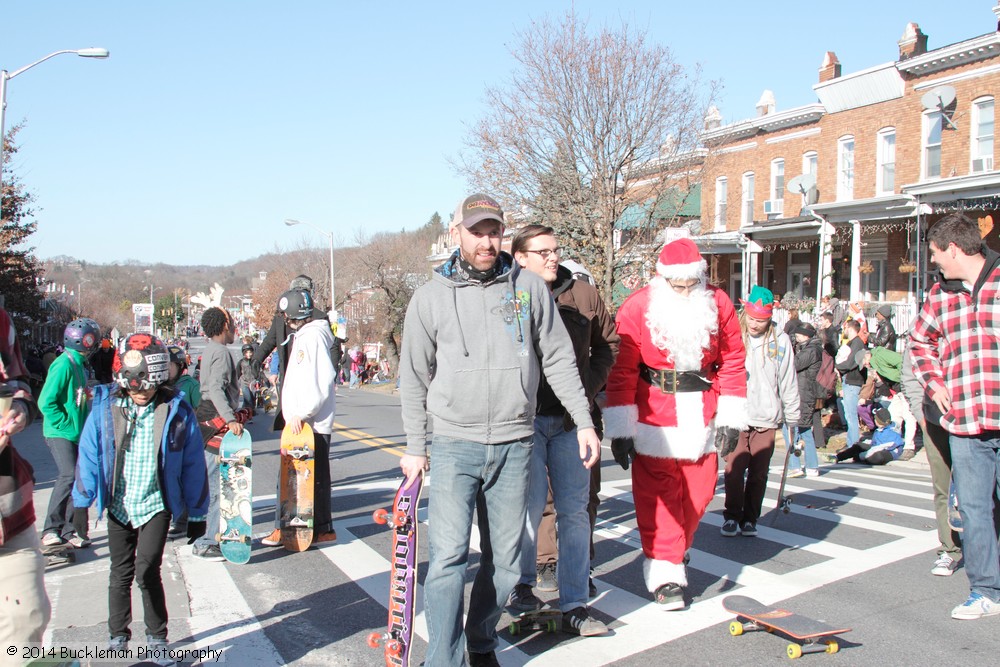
(855, 501)
(880, 488)
(838, 473)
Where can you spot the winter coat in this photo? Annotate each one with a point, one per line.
(885, 336)
(808, 359)
(181, 473)
(772, 390)
(61, 402)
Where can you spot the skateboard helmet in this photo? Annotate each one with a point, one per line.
(141, 363)
(246, 348)
(82, 335)
(178, 356)
(296, 304)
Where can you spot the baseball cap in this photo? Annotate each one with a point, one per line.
(475, 208)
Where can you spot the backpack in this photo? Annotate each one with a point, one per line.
(826, 377)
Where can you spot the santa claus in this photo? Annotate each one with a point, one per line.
(676, 395)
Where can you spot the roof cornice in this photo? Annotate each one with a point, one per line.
(971, 50)
(772, 122)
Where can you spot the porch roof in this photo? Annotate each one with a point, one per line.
(888, 207)
(803, 226)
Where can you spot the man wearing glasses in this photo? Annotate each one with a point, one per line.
(676, 394)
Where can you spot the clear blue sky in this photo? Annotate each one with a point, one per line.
(212, 122)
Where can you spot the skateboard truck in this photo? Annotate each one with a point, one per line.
(393, 646)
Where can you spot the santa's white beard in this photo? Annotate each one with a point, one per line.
(681, 324)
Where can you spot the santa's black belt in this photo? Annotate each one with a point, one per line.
(670, 381)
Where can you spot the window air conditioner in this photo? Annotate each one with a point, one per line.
(982, 164)
(774, 206)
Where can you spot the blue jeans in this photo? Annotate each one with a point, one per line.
(212, 518)
(849, 411)
(809, 442)
(975, 467)
(555, 459)
(492, 479)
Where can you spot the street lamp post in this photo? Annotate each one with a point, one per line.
(329, 235)
(6, 76)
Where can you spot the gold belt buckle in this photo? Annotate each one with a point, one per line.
(673, 384)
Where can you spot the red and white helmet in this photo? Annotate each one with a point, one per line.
(142, 362)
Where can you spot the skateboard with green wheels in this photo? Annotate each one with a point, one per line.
(545, 619)
(810, 636)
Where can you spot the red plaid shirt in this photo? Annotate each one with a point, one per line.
(956, 346)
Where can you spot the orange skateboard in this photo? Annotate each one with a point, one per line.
(296, 498)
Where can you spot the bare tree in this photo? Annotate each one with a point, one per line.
(581, 131)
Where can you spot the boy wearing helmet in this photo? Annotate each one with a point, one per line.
(64, 404)
(251, 376)
(141, 458)
(308, 397)
(179, 379)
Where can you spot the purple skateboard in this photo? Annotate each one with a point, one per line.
(402, 574)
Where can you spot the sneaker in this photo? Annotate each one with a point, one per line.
(119, 643)
(330, 536)
(812, 472)
(907, 454)
(272, 540)
(522, 599)
(798, 472)
(579, 622)
(546, 579)
(730, 528)
(591, 588)
(975, 608)
(670, 596)
(748, 529)
(209, 552)
(51, 540)
(78, 542)
(157, 653)
(483, 659)
(944, 566)
(176, 531)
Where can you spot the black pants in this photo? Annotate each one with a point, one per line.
(59, 517)
(136, 554)
(323, 522)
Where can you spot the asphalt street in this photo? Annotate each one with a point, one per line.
(855, 551)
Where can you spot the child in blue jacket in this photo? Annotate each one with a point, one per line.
(886, 443)
(141, 459)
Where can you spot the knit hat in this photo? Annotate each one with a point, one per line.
(881, 417)
(760, 304)
(680, 260)
(885, 311)
(805, 329)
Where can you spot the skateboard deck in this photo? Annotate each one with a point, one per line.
(811, 636)
(59, 554)
(296, 502)
(402, 573)
(785, 503)
(235, 497)
(546, 619)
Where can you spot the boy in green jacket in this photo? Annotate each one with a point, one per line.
(64, 404)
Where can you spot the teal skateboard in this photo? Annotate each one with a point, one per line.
(235, 497)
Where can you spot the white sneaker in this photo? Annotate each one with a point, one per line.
(812, 472)
(51, 540)
(798, 472)
(975, 608)
(944, 566)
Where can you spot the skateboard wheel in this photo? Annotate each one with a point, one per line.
(736, 628)
(380, 517)
(218, 537)
(374, 639)
(515, 628)
(394, 648)
(551, 625)
(794, 651)
(832, 647)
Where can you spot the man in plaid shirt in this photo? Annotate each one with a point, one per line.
(956, 355)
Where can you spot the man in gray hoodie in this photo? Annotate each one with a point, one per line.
(476, 340)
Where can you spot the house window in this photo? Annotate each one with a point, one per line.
(810, 162)
(845, 168)
(721, 195)
(776, 206)
(982, 135)
(885, 174)
(932, 144)
(746, 210)
(735, 279)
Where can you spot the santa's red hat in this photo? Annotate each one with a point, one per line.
(680, 260)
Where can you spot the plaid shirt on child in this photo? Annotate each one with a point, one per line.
(956, 346)
(137, 494)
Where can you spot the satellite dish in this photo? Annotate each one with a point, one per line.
(939, 99)
(802, 183)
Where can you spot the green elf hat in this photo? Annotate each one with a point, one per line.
(760, 304)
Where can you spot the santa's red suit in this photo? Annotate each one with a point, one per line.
(675, 467)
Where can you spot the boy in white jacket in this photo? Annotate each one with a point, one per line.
(308, 395)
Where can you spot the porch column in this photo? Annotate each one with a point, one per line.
(825, 283)
(855, 260)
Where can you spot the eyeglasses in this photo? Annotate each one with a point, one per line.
(683, 289)
(546, 253)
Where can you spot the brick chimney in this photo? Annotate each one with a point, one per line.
(996, 12)
(913, 42)
(830, 69)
